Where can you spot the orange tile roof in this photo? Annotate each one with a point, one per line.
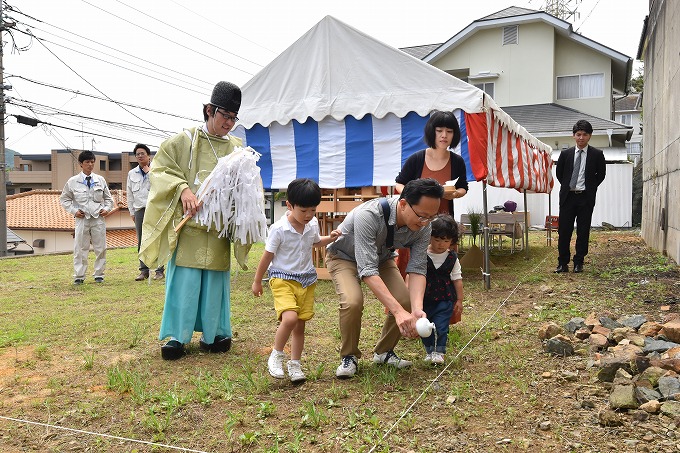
(121, 238)
(40, 210)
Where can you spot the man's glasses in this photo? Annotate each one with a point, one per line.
(421, 218)
(227, 116)
(141, 155)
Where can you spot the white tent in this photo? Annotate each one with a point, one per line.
(347, 110)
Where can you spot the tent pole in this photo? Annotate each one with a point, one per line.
(526, 227)
(487, 267)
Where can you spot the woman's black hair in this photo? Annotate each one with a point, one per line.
(304, 192)
(441, 119)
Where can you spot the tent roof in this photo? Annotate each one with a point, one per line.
(331, 71)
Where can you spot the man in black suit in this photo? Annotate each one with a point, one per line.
(580, 170)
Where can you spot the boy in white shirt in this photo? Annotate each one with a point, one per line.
(292, 275)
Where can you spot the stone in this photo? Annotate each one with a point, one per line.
(559, 345)
(609, 418)
(645, 394)
(621, 333)
(623, 397)
(574, 324)
(605, 332)
(626, 350)
(652, 407)
(569, 376)
(544, 426)
(609, 365)
(634, 321)
(598, 340)
(650, 329)
(673, 353)
(652, 374)
(549, 330)
(668, 386)
(671, 330)
(669, 364)
(657, 345)
(582, 333)
(639, 415)
(609, 323)
(592, 320)
(671, 408)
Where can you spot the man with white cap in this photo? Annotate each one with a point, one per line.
(197, 288)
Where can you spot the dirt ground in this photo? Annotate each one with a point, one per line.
(502, 392)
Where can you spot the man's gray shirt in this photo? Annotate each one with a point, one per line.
(364, 235)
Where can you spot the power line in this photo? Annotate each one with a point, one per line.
(49, 85)
(86, 81)
(168, 39)
(19, 117)
(223, 27)
(53, 111)
(114, 49)
(43, 40)
(188, 34)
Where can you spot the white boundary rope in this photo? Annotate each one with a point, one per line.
(47, 425)
(408, 409)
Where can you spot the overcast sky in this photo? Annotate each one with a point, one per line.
(167, 55)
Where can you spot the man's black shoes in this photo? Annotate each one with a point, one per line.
(578, 268)
(172, 350)
(221, 344)
(561, 268)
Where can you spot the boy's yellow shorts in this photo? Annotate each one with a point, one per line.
(290, 295)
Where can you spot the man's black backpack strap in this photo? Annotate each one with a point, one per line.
(390, 228)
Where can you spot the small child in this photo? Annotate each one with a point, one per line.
(292, 275)
(443, 300)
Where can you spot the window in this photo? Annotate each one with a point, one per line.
(627, 119)
(510, 34)
(25, 167)
(633, 148)
(580, 86)
(487, 87)
(102, 165)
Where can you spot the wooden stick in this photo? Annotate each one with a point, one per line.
(186, 218)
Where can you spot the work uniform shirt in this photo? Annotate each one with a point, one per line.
(138, 186)
(78, 196)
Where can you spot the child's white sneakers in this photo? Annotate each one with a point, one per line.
(275, 364)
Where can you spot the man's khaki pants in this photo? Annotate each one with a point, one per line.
(348, 287)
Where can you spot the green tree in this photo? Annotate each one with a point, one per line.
(637, 83)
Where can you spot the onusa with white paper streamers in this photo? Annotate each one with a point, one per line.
(232, 198)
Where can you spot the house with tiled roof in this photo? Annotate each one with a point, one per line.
(547, 76)
(628, 111)
(38, 218)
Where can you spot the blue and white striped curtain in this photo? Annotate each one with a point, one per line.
(337, 154)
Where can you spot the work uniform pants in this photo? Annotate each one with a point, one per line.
(92, 230)
(139, 220)
(348, 287)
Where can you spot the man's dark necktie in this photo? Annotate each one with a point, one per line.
(577, 170)
(88, 178)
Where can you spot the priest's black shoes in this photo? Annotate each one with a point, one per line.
(221, 344)
(578, 268)
(172, 350)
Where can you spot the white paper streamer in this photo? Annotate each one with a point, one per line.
(232, 198)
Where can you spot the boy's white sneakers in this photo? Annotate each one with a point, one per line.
(275, 364)
(295, 372)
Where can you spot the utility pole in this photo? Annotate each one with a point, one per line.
(3, 164)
